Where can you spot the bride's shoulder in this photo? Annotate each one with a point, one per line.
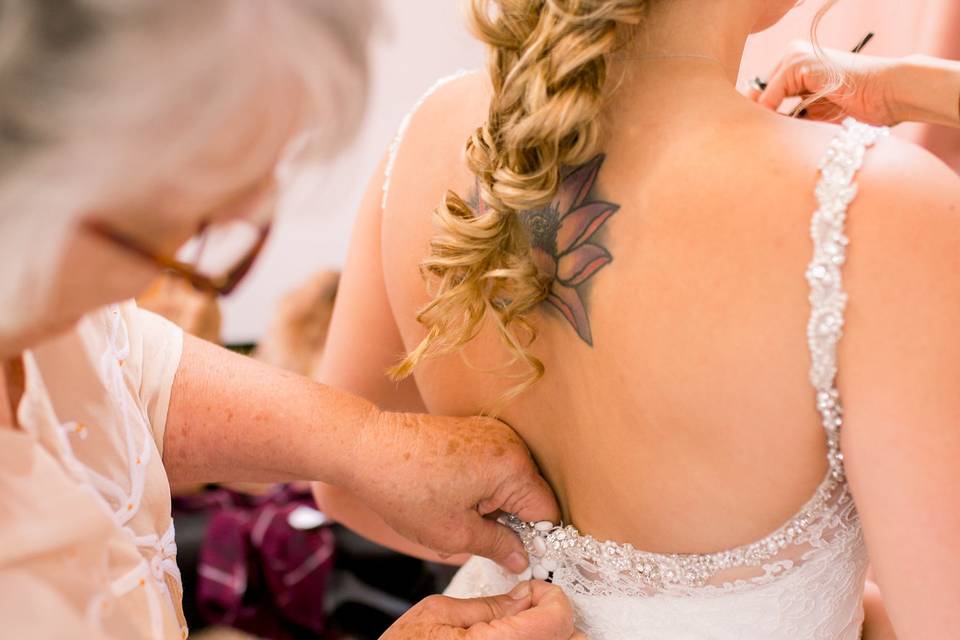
(906, 192)
(904, 234)
(427, 155)
(447, 113)
(898, 169)
(900, 184)
(426, 160)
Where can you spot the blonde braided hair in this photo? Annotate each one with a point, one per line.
(548, 66)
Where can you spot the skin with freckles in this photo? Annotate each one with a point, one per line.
(434, 479)
(470, 448)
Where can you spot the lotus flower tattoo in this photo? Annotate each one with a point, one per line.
(560, 235)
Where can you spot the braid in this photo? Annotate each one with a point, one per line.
(548, 66)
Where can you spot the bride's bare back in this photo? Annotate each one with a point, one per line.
(676, 412)
(679, 389)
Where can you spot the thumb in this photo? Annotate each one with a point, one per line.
(550, 615)
(537, 502)
(499, 543)
(455, 612)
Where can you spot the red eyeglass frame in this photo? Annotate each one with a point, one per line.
(221, 286)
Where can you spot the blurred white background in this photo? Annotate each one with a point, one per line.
(424, 40)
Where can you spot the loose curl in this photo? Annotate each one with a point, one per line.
(548, 66)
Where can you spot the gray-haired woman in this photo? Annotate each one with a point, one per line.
(126, 128)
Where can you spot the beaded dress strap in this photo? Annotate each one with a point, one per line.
(835, 191)
(405, 124)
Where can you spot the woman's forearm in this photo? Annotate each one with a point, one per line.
(234, 419)
(430, 478)
(925, 89)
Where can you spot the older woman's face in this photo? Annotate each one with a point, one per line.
(231, 176)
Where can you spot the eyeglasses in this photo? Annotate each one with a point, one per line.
(222, 252)
(237, 246)
(233, 246)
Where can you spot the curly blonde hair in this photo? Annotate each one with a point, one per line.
(548, 66)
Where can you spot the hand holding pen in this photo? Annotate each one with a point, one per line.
(884, 91)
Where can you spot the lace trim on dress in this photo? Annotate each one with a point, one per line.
(588, 566)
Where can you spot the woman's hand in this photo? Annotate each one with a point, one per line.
(441, 482)
(880, 91)
(865, 92)
(532, 611)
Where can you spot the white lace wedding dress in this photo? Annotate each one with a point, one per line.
(804, 581)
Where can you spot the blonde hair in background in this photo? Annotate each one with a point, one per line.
(548, 66)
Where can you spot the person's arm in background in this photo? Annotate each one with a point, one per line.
(925, 89)
(876, 90)
(363, 341)
(944, 38)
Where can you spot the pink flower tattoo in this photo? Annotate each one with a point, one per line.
(561, 234)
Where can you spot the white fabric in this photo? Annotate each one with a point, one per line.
(801, 582)
(84, 496)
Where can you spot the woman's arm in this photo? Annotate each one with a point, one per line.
(362, 343)
(925, 89)
(233, 419)
(900, 379)
(429, 477)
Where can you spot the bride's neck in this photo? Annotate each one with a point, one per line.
(685, 51)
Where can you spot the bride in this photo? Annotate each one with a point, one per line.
(648, 276)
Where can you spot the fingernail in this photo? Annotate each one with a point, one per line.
(521, 591)
(516, 562)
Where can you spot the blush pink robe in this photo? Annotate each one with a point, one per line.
(86, 536)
